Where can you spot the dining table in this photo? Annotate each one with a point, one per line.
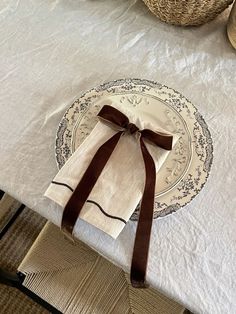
(52, 51)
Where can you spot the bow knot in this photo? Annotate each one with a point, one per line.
(118, 120)
(132, 128)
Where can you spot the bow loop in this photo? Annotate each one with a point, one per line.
(160, 139)
(112, 115)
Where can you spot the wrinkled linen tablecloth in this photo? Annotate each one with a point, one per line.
(51, 52)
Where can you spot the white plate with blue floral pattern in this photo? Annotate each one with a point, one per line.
(188, 165)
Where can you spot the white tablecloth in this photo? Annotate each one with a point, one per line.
(52, 51)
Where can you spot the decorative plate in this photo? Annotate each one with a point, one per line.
(188, 165)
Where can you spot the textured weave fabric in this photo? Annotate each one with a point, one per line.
(190, 12)
(75, 279)
(8, 206)
(13, 248)
(231, 27)
(18, 240)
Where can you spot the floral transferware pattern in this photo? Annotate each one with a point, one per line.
(187, 167)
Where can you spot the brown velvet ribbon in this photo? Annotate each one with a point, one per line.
(117, 120)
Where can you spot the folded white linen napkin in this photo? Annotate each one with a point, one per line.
(120, 186)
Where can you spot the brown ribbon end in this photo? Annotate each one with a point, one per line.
(68, 235)
(140, 284)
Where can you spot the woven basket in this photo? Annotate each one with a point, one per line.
(231, 27)
(187, 12)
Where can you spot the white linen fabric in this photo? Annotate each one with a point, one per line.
(52, 52)
(119, 188)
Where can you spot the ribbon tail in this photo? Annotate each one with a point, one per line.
(86, 184)
(143, 232)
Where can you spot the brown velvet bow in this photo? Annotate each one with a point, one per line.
(119, 121)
